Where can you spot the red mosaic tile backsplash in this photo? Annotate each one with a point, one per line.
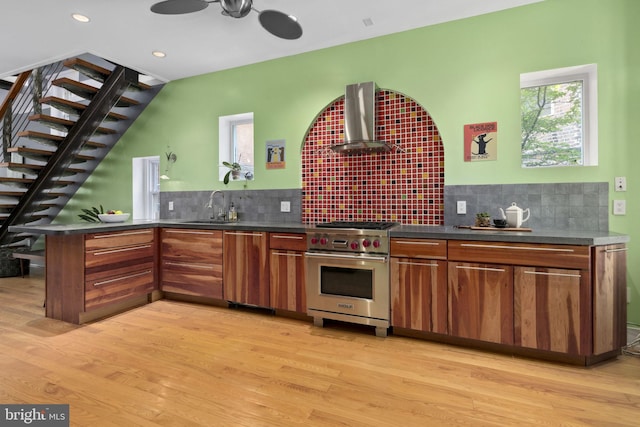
(405, 185)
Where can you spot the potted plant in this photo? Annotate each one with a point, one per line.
(483, 219)
(234, 171)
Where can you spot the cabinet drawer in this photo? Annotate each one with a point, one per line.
(114, 256)
(192, 279)
(107, 287)
(288, 241)
(193, 246)
(419, 248)
(533, 254)
(118, 238)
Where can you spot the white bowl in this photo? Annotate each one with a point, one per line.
(113, 217)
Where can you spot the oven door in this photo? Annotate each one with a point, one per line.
(345, 284)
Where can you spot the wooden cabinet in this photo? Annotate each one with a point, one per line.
(246, 267)
(609, 298)
(118, 265)
(191, 262)
(553, 309)
(89, 276)
(419, 284)
(287, 271)
(481, 301)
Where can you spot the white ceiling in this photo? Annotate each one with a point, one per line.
(39, 32)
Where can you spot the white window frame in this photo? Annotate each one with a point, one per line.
(589, 75)
(226, 142)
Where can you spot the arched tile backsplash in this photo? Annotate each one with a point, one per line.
(405, 185)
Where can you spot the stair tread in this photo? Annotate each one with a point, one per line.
(88, 92)
(64, 123)
(54, 138)
(33, 167)
(72, 107)
(43, 153)
(96, 72)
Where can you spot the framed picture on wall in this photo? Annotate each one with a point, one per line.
(481, 142)
(276, 154)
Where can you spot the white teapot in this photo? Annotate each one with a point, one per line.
(514, 215)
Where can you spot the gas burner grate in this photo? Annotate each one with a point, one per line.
(366, 225)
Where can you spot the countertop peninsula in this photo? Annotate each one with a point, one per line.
(549, 236)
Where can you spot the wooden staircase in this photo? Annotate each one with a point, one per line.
(78, 116)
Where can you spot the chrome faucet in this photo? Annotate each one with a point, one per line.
(211, 205)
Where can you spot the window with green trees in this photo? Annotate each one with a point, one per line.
(559, 117)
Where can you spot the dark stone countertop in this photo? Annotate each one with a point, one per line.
(560, 237)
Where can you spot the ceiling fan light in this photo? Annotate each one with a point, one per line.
(236, 8)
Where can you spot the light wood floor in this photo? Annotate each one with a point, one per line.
(177, 364)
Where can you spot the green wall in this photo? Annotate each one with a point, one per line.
(462, 72)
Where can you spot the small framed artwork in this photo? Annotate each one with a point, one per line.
(276, 154)
(481, 142)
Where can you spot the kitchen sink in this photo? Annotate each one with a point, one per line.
(209, 221)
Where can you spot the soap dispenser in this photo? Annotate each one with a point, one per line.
(233, 214)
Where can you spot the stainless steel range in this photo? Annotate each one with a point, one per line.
(347, 272)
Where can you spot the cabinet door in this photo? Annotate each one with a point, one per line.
(192, 262)
(481, 301)
(609, 298)
(246, 267)
(552, 309)
(287, 280)
(419, 294)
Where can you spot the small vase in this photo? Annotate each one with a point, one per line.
(483, 222)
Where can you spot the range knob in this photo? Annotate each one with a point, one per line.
(355, 245)
(376, 243)
(366, 243)
(314, 240)
(323, 241)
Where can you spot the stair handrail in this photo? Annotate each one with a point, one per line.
(22, 100)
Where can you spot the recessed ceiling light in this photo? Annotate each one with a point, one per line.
(158, 54)
(80, 17)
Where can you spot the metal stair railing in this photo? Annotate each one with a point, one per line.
(15, 111)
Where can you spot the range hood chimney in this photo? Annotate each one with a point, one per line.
(360, 121)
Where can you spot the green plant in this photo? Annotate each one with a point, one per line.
(91, 215)
(234, 169)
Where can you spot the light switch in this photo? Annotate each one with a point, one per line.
(170, 206)
(461, 207)
(619, 207)
(285, 206)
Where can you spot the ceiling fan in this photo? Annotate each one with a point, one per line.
(277, 23)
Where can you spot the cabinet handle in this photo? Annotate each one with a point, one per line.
(407, 242)
(186, 264)
(464, 267)
(608, 251)
(130, 233)
(239, 233)
(113, 251)
(286, 254)
(417, 263)
(278, 236)
(520, 248)
(208, 233)
(130, 276)
(541, 273)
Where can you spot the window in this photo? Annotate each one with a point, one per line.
(236, 143)
(559, 117)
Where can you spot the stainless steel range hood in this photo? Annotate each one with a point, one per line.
(360, 121)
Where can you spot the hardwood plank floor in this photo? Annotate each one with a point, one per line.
(180, 364)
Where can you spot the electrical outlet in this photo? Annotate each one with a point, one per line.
(461, 207)
(285, 206)
(620, 183)
(619, 207)
(170, 206)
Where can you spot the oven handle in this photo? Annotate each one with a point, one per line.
(345, 256)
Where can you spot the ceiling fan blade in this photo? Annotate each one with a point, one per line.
(280, 24)
(179, 7)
